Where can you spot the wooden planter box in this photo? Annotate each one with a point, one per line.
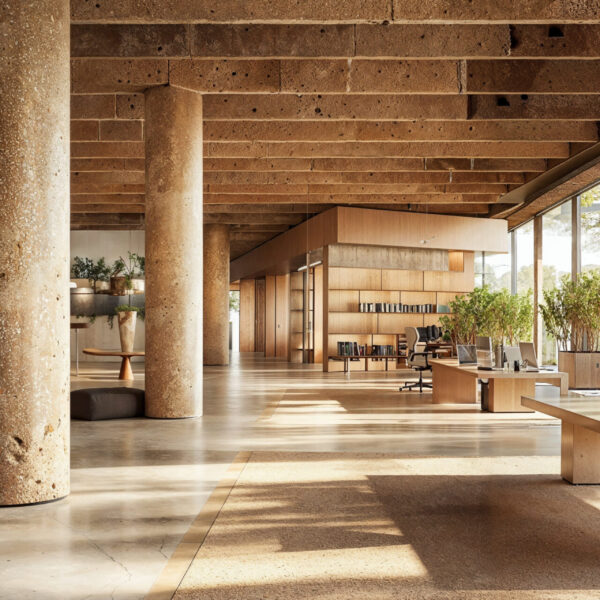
(583, 369)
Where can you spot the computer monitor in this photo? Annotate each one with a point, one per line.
(484, 358)
(512, 353)
(483, 342)
(422, 331)
(467, 354)
(528, 353)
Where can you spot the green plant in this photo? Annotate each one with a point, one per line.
(571, 312)
(130, 268)
(505, 317)
(81, 267)
(140, 310)
(86, 268)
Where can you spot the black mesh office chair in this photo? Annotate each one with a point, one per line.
(417, 359)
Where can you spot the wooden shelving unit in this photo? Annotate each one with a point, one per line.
(348, 287)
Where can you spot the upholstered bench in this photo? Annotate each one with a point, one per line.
(97, 404)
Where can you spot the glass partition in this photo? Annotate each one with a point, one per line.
(590, 229)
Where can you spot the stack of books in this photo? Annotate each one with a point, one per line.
(389, 307)
(351, 349)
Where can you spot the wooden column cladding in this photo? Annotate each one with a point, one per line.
(247, 315)
(260, 316)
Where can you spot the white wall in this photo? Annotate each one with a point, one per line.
(111, 245)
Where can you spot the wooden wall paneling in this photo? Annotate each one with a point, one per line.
(453, 281)
(325, 323)
(343, 300)
(317, 323)
(352, 322)
(456, 260)
(247, 315)
(446, 297)
(418, 297)
(260, 316)
(379, 296)
(398, 279)
(393, 323)
(357, 226)
(282, 303)
(270, 316)
(344, 278)
(431, 320)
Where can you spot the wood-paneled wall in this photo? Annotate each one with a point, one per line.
(247, 315)
(260, 316)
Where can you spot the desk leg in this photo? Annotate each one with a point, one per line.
(77, 352)
(579, 454)
(126, 372)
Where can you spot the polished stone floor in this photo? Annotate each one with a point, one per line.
(138, 484)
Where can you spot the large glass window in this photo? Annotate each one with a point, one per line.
(496, 272)
(524, 260)
(590, 229)
(556, 260)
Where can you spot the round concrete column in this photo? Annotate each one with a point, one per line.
(34, 251)
(216, 294)
(173, 253)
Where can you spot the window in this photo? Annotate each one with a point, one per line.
(557, 234)
(524, 258)
(590, 229)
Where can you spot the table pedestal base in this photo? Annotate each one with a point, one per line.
(579, 454)
(126, 372)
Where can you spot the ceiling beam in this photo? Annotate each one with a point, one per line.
(349, 198)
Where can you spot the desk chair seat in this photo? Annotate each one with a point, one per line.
(417, 359)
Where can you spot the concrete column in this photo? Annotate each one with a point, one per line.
(216, 294)
(173, 253)
(34, 251)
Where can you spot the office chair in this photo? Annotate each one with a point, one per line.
(417, 359)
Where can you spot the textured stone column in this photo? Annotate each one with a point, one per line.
(34, 251)
(173, 253)
(216, 294)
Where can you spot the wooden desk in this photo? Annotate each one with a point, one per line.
(455, 384)
(580, 433)
(125, 372)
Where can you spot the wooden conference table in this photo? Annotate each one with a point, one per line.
(455, 384)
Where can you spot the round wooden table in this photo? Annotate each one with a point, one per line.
(125, 372)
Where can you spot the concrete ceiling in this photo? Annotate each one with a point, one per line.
(428, 105)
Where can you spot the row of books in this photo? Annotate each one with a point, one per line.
(355, 349)
(389, 307)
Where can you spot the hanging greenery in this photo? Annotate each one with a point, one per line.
(571, 313)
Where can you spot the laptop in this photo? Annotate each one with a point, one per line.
(467, 354)
(528, 354)
(512, 354)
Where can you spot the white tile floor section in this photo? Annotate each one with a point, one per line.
(138, 484)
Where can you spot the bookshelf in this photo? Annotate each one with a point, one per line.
(348, 287)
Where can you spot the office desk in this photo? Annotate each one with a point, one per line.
(455, 384)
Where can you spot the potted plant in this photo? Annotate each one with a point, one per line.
(127, 273)
(571, 314)
(505, 317)
(127, 317)
(97, 273)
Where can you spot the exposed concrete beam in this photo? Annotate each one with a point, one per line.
(335, 106)
(349, 198)
(356, 188)
(384, 149)
(338, 131)
(349, 11)
(533, 76)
